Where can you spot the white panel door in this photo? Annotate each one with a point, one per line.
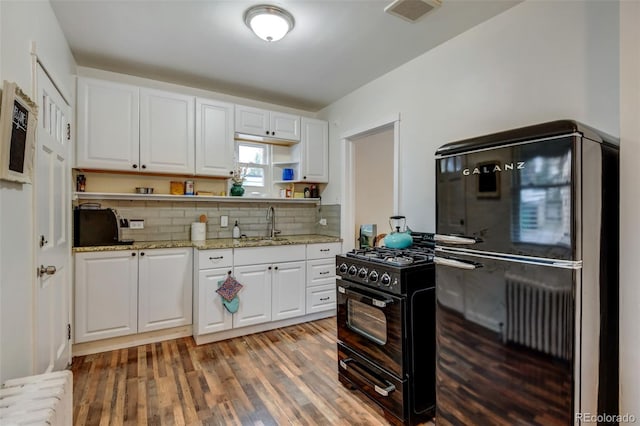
(289, 290)
(214, 138)
(53, 202)
(106, 290)
(284, 126)
(167, 123)
(315, 146)
(211, 315)
(164, 288)
(108, 125)
(255, 296)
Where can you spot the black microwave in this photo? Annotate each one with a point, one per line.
(95, 227)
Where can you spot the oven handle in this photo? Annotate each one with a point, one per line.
(375, 300)
(445, 261)
(367, 376)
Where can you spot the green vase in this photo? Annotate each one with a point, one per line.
(236, 190)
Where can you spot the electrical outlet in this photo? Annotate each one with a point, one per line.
(323, 222)
(224, 221)
(136, 224)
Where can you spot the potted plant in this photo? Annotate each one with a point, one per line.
(237, 179)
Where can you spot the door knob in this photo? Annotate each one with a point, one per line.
(46, 270)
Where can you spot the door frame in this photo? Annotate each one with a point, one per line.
(348, 216)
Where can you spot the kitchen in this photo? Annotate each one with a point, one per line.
(581, 65)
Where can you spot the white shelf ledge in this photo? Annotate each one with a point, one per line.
(186, 198)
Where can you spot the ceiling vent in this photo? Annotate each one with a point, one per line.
(411, 10)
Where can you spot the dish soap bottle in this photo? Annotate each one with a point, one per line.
(236, 230)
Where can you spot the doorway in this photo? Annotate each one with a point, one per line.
(371, 176)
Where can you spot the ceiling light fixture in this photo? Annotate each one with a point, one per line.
(270, 23)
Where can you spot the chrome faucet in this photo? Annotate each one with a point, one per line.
(271, 216)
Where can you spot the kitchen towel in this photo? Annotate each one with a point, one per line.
(228, 290)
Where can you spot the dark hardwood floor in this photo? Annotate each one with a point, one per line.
(283, 376)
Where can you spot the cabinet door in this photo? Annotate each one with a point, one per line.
(214, 138)
(108, 136)
(315, 146)
(253, 121)
(210, 315)
(167, 140)
(255, 295)
(106, 295)
(284, 126)
(164, 288)
(288, 290)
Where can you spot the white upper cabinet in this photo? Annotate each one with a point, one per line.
(166, 132)
(214, 138)
(108, 120)
(315, 151)
(261, 122)
(127, 128)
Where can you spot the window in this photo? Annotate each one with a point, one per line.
(254, 157)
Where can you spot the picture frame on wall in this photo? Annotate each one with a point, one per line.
(18, 120)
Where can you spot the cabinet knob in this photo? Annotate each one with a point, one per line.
(133, 254)
(267, 132)
(231, 172)
(142, 254)
(135, 166)
(144, 166)
(304, 177)
(273, 133)
(269, 268)
(276, 268)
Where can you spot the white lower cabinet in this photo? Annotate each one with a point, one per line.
(164, 288)
(124, 292)
(287, 290)
(321, 276)
(255, 295)
(210, 268)
(106, 295)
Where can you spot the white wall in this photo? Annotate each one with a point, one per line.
(20, 23)
(535, 62)
(629, 207)
(374, 180)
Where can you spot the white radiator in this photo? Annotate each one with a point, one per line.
(45, 399)
(540, 316)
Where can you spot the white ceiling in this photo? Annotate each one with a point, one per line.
(335, 47)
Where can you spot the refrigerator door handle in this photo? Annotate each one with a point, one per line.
(460, 264)
(453, 239)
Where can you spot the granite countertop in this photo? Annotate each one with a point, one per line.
(216, 243)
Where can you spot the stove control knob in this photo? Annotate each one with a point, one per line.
(343, 268)
(373, 276)
(362, 273)
(386, 279)
(353, 270)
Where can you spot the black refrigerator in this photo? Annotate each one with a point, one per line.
(527, 277)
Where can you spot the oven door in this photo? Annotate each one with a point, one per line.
(370, 323)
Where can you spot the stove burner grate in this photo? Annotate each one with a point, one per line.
(394, 257)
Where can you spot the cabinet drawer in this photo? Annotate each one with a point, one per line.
(215, 258)
(318, 270)
(323, 250)
(259, 255)
(321, 298)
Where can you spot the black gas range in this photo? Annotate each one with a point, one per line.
(386, 328)
(395, 271)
